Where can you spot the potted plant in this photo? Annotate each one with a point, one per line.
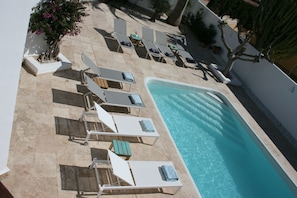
(54, 19)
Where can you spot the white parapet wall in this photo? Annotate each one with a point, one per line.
(15, 18)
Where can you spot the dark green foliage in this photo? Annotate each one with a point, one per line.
(236, 9)
(275, 28)
(204, 33)
(160, 6)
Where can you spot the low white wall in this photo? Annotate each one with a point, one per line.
(273, 88)
(35, 44)
(15, 17)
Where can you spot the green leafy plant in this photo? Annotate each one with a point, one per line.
(56, 18)
(205, 34)
(160, 7)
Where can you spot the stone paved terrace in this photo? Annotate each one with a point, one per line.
(44, 163)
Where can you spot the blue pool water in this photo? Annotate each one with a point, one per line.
(222, 156)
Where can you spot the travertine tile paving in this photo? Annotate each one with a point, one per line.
(43, 162)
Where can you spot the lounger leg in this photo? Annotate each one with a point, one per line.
(87, 138)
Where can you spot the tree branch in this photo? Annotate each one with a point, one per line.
(221, 24)
(253, 59)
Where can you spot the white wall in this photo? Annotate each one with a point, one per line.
(14, 24)
(273, 88)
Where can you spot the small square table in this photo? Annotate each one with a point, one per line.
(121, 148)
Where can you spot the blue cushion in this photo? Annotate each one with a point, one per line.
(169, 173)
(169, 54)
(128, 76)
(154, 50)
(190, 60)
(135, 99)
(147, 126)
(126, 43)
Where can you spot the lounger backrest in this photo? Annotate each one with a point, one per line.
(161, 38)
(93, 87)
(105, 117)
(90, 64)
(147, 34)
(121, 168)
(120, 26)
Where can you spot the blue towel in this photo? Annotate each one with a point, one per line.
(190, 60)
(154, 50)
(135, 99)
(126, 43)
(128, 76)
(169, 173)
(147, 126)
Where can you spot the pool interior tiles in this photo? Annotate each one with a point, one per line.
(215, 144)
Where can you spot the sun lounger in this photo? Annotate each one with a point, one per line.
(120, 34)
(117, 125)
(148, 42)
(129, 175)
(107, 74)
(187, 59)
(162, 43)
(111, 98)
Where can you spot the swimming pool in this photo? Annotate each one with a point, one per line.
(217, 146)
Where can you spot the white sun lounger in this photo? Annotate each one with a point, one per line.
(136, 174)
(148, 42)
(107, 74)
(120, 34)
(162, 43)
(117, 125)
(111, 98)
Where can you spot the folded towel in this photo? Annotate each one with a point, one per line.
(154, 50)
(169, 54)
(128, 76)
(147, 125)
(126, 43)
(135, 99)
(190, 60)
(169, 173)
(172, 46)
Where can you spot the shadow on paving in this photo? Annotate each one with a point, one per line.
(76, 132)
(68, 74)
(67, 98)
(79, 179)
(83, 181)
